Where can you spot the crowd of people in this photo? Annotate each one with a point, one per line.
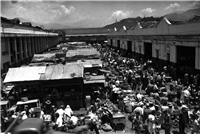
(174, 102)
(158, 101)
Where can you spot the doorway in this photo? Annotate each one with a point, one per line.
(118, 44)
(111, 42)
(147, 51)
(185, 59)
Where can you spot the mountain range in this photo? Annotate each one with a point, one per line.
(176, 16)
(128, 22)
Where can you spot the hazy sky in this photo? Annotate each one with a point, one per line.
(89, 13)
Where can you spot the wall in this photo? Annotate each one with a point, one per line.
(197, 57)
(1, 44)
(85, 31)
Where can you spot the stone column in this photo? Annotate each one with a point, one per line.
(1, 64)
(15, 49)
(36, 45)
(21, 49)
(25, 47)
(8, 48)
(29, 46)
(32, 45)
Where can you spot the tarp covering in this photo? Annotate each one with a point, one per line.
(37, 73)
(95, 79)
(27, 102)
(8, 89)
(90, 63)
(86, 53)
(4, 102)
(43, 57)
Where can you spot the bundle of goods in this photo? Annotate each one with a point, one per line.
(111, 107)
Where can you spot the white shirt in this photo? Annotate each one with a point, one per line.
(186, 93)
(140, 110)
(93, 116)
(59, 122)
(60, 112)
(139, 96)
(68, 112)
(74, 120)
(151, 117)
(41, 115)
(24, 117)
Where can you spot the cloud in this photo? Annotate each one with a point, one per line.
(148, 10)
(121, 14)
(43, 12)
(173, 7)
(67, 10)
(195, 4)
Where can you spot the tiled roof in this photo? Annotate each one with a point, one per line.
(149, 24)
(176, 22)
(27, 24)
(194, 19)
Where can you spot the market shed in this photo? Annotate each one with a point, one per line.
(92, 83)
(44, 73)
(82, 54)
(49, 57)
(61, 82)
(24, 74)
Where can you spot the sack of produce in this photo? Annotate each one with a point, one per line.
(106, 127)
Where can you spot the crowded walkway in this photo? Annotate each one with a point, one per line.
(152, 100)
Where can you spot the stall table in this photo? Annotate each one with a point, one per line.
(119, 121)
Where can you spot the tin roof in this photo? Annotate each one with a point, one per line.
(95, 79)
(68, 71)
(85, 51)
(90, 63)
(74, 55)
(44, 57)
(52, 72)
(24, 74)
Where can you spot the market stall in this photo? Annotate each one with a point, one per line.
(93, 83)
(42, 82)
(5, 104)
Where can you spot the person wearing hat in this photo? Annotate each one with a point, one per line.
(68, 111)
(166, 119)
(196, 125)
(183, 119)
(47, 107)
(151, 123)
(60, 111)
(24, 116)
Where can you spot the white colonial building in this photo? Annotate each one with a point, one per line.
(167, 42)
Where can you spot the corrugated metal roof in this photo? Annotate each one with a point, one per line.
(44, 57)
(24, 74)
(52, 72)
(83, 52)
(95, 79)
(60, 71)
(90, 63)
